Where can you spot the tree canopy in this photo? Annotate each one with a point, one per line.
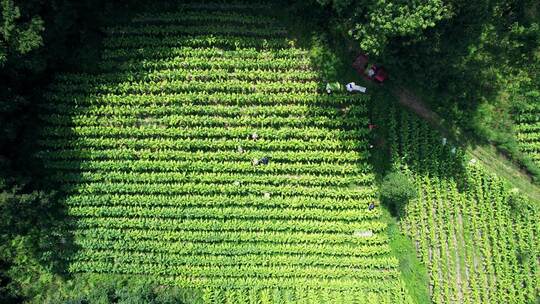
(374, 22)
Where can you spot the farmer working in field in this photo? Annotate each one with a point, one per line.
(262, 161)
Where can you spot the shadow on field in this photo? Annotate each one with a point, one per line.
(42, 241)
(69, 156)
(43, 212)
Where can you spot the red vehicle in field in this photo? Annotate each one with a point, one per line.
(374, 73)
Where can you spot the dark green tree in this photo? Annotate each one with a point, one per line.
(374, 22)
(396, 191)
(18, 37)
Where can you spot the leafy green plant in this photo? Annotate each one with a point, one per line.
(396, 191)
(324, 59)
(17, 38)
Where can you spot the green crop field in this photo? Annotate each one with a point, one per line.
(154, 155)
(269, 152)
(477, 236)
(528, 129)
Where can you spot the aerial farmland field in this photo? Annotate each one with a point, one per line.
(155, 155)
(269, 152)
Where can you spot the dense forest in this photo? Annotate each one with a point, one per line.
(475, 63)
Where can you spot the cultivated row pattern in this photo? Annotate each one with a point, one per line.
(528, 129)
(479, 240)
(156, 156)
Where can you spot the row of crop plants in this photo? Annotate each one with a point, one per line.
(477, 236)
(527, 127)
(155, 153)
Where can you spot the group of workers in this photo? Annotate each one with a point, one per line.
(256, 161)
(265, 160)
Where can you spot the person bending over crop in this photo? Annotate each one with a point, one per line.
(262, 161)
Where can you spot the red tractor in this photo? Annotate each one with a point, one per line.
(373, 73)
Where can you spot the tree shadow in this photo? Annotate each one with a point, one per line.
(41, 208)
(35, 220)
(68, 155)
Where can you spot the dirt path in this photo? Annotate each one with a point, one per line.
(488, 155)
(412, 102)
